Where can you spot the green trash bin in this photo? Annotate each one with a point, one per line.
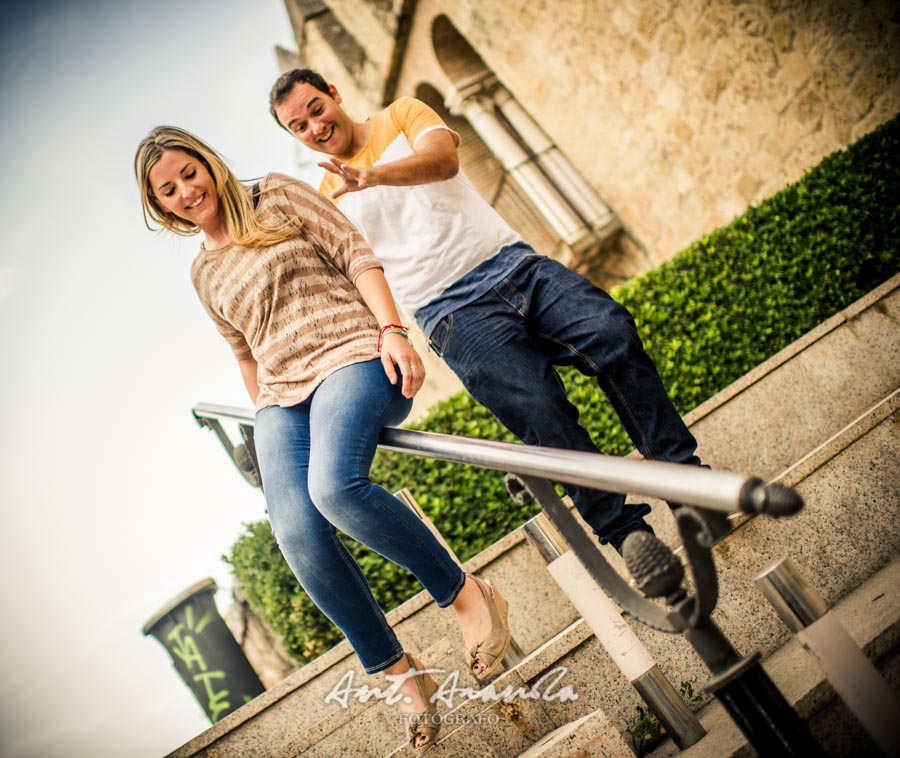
(204, 651)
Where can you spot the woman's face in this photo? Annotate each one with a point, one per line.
(183, 185)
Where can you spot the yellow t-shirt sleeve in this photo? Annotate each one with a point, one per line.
(414, 118)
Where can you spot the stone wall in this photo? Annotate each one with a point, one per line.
(260, 644)
(681, 113)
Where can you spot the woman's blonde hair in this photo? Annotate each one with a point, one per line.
(235, 205)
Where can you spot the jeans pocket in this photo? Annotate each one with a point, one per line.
(516, 298)
(440, 335)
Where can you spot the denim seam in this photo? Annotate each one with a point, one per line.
(506, 300)
(384, 664)
(387, 514)
(598, 372)
(454, 593)
(443, 346)
(375, 433)
(354, 568)
(649, 453)
(366, 590)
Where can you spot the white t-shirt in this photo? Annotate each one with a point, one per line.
(427, 236)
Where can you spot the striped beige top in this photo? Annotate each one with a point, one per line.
(292, 306)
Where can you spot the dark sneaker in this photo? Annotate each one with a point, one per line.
(620, 539)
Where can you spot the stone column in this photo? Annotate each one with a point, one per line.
(478, 108)
(558, 168)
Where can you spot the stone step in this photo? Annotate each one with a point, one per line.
(591, 735)
(854, 479)
(833, 483)
(805, 394)
(730, 427)
(292, 718)
(870, 614)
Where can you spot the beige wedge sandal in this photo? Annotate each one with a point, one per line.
(490, 651)
(422, 724)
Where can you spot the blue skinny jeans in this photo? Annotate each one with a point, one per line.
(314, 460)
(505, 344)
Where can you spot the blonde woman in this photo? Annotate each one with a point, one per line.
(304, 305)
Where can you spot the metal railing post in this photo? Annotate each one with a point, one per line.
(406, 497)
(740, 684)
(613, 632)
(846, 667)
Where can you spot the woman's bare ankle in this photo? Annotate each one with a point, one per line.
(411, 697)
(472, 612)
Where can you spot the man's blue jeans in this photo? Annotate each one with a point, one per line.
(505, 344)
(314, 459)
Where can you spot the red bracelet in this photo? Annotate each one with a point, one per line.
(395, 329)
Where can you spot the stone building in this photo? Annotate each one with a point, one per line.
(677, 115)
(612, 133)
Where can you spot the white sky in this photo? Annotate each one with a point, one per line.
(113, 499)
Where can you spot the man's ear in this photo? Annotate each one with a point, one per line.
(335, 95)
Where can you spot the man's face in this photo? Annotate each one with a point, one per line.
(316, 119)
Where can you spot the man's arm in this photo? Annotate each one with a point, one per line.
(434, 160)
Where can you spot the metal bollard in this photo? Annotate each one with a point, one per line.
(740, 684)
(846, 667)
(613, 632)
(515, 654)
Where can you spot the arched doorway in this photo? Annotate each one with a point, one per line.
(532, 171)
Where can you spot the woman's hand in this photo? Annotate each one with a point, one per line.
(397, 350)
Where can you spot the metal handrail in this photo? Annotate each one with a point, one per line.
(675, 483)
(749, 696)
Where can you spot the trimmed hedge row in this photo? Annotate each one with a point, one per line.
(716, 310)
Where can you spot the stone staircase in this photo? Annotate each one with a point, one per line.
(822, 416)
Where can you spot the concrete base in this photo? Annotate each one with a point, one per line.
(871, 614)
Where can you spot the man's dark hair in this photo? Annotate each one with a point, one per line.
(285, 83)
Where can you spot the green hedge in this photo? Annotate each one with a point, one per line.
(716, 310)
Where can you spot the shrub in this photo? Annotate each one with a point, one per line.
(713, 312)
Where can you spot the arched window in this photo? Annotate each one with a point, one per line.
(541, 173)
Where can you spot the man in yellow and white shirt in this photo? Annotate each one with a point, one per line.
(501, 315)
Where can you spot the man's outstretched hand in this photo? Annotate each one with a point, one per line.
(355, 179)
